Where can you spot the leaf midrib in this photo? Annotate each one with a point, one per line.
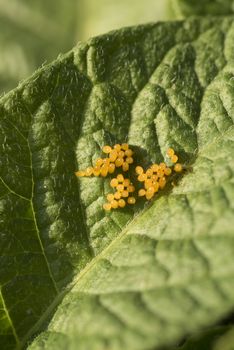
(9, 319)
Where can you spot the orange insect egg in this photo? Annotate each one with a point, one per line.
(110, 197)
(141, 192)
(149, 195)
(114, 182)
(142, 177)
(80, 173)
(121, 203)
(114, 204)
(150, 189)
(125, 166)
(154, 177)
(124, 146)
(89, 171)
(149, 172)
(107, 206)
(99, 162)
(174, 158)
(131, 188)
(148, 183)
(119, 162)
(139, 170)
(106, 161)
(129, 160)
(111, 168)
(104, 171)
(96, 171)
(121, 154)
(117, 195)
(124, 193)
(156, 186)
(120, 178)
(167, 171)
(162, 166)
(178, 168)
(160, 173)
(106, 149)
(113, 155)
(155, 167)
(162, 182)
(131, 200)
(117, 147)
(126, 182)
(120, 187)
(129, 153)
(170, 152)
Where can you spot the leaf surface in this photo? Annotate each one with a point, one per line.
(208, 340)
(226, 342)
(130, 279)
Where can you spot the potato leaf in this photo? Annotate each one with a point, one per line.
(140, 277)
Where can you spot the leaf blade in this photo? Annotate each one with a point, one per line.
(98, 93)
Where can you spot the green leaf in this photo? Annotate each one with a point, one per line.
(207, 340)
(136, 278)
(185, 8)
(31, 33)
(98, 17)
(226, 342)
(217, 338)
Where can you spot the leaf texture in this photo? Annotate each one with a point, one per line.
(226, 342)
(130, 279)
(210, 340)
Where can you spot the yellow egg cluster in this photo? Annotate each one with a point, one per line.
(155, 177)
(120, 156)
(174, 158)
(123, 193)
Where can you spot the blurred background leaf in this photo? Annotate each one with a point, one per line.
(36, 31)
(185, 8)
(31, 33)
(210, 339)
(98, 17)
(226, 342)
